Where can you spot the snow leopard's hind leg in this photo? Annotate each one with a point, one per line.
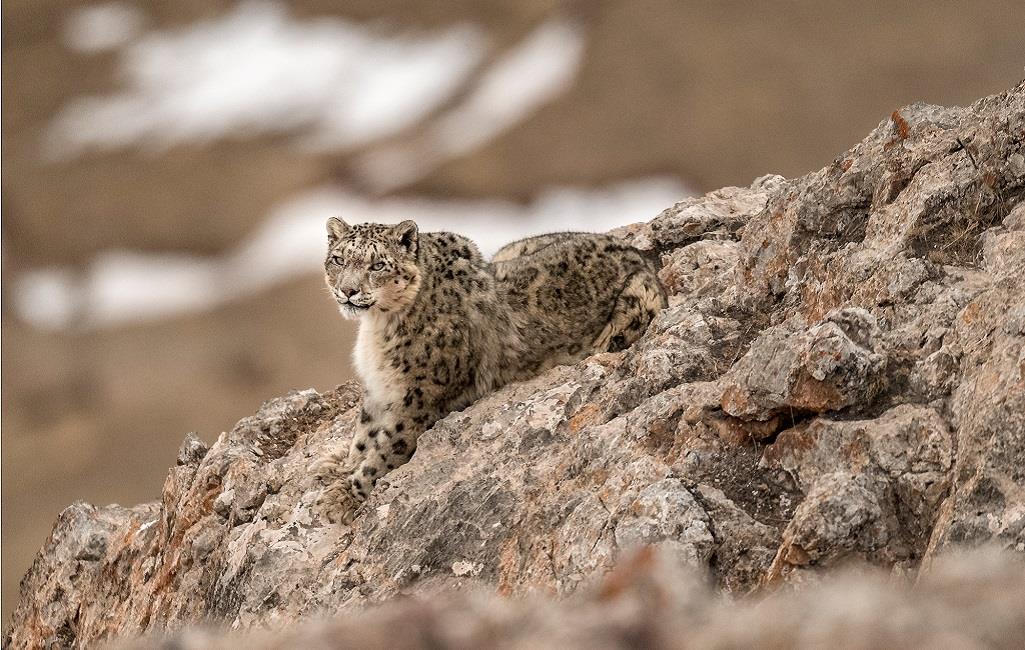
(638, 303)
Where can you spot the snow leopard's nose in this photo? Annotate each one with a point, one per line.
(348, 293)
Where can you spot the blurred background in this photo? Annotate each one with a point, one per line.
(168, 168)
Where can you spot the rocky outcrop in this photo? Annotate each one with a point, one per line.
(840, 376)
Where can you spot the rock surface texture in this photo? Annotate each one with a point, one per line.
(840, 376)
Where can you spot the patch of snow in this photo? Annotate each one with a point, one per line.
(530, 75)
(149, 286)
(123, 287)
(527, 77)
(257, 70)
(47, 298)
(102, 27)
(398, 84)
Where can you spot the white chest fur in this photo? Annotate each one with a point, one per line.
(382, 382)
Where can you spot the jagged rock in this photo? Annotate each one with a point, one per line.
(828, 367)
(873, 488)
(840, 375)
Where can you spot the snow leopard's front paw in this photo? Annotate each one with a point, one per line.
(336, 503)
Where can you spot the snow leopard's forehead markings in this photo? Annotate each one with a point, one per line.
(366, 242)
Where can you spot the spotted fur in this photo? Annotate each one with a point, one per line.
(440, 327)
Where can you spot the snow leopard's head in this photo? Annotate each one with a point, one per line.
(371, 268)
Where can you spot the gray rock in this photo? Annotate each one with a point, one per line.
(827, 367)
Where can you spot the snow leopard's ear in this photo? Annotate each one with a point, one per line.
(407, 234)
(336, 229)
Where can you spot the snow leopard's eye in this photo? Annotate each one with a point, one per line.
(337, 261)
(377, 266)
